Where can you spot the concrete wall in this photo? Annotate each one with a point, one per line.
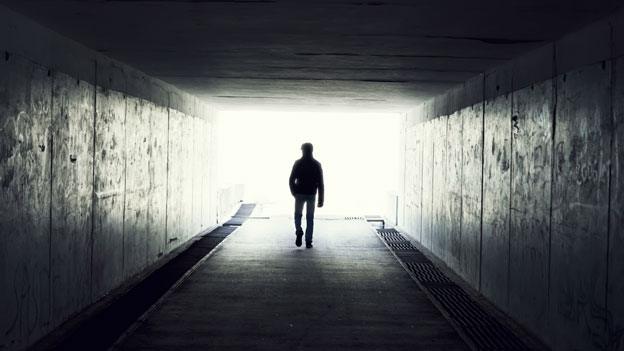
(514, 180)
(228, 200)
(103, 171)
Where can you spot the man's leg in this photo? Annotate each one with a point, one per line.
(299, 201)
(310, 204)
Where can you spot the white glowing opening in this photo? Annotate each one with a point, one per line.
(359, 154)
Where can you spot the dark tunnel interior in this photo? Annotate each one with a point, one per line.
(471, 150)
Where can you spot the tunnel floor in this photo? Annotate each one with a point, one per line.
(258, 291)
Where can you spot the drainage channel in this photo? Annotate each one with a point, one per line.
(479, 329)
(243, 213)
(100, 330)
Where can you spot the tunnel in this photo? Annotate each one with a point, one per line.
(463, 172)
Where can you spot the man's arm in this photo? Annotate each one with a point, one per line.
(291, 179)
(321, 188)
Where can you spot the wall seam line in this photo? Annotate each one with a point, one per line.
(150, 185)
(461, 189)
(93, 195)
(422, 182)
(405, 128)
(553, 146)
(125, 172)
(612, 135)
(165, 248)
(482, 181)
(51, 147)
(431, 208)
(511, 172)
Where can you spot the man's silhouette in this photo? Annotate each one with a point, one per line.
(306, 178)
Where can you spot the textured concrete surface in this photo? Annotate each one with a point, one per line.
(439, 219)
(496, 175)
(546, 218)
(615, 288)
(157, 170)
(580, 204)
(472, 168)
(25, 105)
(259, 291)
(357, 54)
(453, 196)
(83, 177)
(104, 169)
(428, 178)
(72, 194)
(529, 234)
(413, 171)
(109, 183)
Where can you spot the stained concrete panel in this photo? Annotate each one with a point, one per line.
(72, 195)
(206, 163)
(196, 157)
(413, 181)
(580, 209)
(174, 183)
(429, 110)
(108, 242)
(453, 195)
(615, 287)
(25, 106)
(440, 220)
(456, 98)
(442, 104)
(214, 152)
(408, 170)
(417, 181)
(427, 185)
(189, 168)
(496, 189)
(472, 171)
(157, 202)
(529, 232)
(138, 190)
(403, 179)
(408, 179)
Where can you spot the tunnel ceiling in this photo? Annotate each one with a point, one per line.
(315, 54)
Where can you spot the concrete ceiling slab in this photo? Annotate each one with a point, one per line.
(332, 54)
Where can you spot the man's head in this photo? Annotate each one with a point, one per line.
(306, 149)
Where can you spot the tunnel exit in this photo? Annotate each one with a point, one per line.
(358, 153)
(472, 153)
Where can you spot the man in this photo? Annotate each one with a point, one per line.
(306, 178)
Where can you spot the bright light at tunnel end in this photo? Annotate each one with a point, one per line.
(358, 152)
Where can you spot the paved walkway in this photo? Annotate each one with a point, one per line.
(259, 292)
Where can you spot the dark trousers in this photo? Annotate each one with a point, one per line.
(310, 202)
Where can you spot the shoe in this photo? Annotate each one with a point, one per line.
(308, 245)
(298, 240)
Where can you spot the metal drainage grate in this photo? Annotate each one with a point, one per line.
(427, 273)
(401, 246)
(478, 328)
(390, 235)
